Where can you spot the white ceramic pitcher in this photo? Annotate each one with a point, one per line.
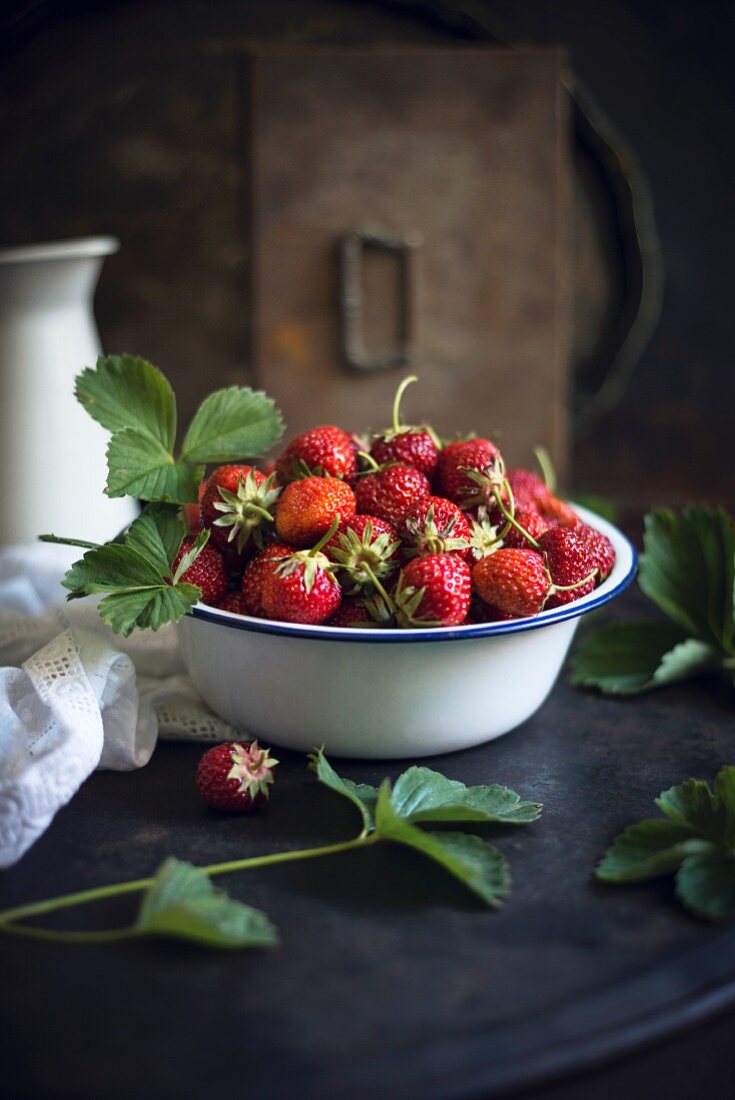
(52, 454)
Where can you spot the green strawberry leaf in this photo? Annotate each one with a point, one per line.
(123, 391)
(648, 849)
(231, 424)
(111, 568)
(688, 569)
(696, 841)
(156, 535)
(139, 465)
(479, 866)
(629, 658)
(183, 903)
(361, 795)
(148, 608)
(705, 883)
(423, 795)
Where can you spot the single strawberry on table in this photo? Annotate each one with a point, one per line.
(235, 777)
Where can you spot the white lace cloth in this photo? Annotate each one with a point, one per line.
(75, 697)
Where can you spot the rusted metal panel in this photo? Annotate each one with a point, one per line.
(466, 149)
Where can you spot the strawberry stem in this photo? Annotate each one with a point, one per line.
(510, 519)
(397, 402)
(9, 918)
(58, 540)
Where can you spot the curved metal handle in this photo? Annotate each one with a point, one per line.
(352, 247)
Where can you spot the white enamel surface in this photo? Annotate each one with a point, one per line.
(48, 444)
(391, 695)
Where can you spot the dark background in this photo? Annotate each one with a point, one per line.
(661, 72)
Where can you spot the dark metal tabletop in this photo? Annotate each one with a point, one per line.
(389, 979)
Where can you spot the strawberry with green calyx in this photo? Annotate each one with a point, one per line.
(484, 536)
(457, 462)
(415, 446)
(364, 548)
(302, 588)
(389, 491)
(307, 508)
(326, 451)
(256, 571)
(207, 570)
(235, 777)
(433, 525)
(433, 590)
(237, 506)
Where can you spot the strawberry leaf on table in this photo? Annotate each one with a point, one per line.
(135, 576)
(687, 569)
(695, 841)
(629, 658)
(132, 399)
(476, 864)
(183, 903)
(423, 795)
(361, 795)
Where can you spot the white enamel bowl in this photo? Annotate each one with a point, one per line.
(386, 693)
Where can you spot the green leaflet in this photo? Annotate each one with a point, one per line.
(629, 658)
(423, 795)
(694, 841)
(135, 576)
(132, 399)
(688, 569)
(140, 466)
(361, 795)
(123, 391)
(476, 864)
(183, 903)
(232, 423)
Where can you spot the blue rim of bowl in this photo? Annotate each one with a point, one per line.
(621, 576)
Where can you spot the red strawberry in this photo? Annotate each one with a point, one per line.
(207, 571)
(602, 550)
(301, 591)
(306, 509)
(235, 776)
(193, 512)
(352, 613)
(389, 492)
(570, 561)
(433, 525)
(434, 590)
(233, 602)
(237, 506)
(532, 522)
(364, 548)
(514, 582)
(325, 452)
(255, 574)
(530, 491)
(462, 465)
(409, 446)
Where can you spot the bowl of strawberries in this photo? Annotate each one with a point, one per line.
(392, 596)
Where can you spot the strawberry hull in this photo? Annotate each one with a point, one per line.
(367, 693)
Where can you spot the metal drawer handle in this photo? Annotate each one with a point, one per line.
(352, 246)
